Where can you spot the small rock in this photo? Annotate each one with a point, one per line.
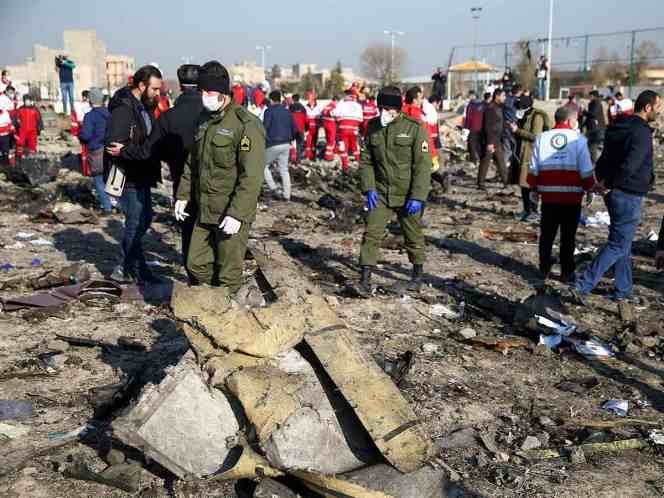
(430, 348)
(502, 457)
(530, 443)
(115, 457)
(57, 345)
(650, 341)
(332, 301)
(468, 333)
(122, 308)
(577, 456)
(542, 350)
(546, 422)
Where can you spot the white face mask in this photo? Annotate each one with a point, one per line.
(386, 117)
(211, 103)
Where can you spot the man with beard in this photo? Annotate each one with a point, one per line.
(131, 122)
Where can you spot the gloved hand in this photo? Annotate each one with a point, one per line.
(230, 226)
(180, 210)
(435, 164)
(372, 200)
(534, 197)
(413, 206)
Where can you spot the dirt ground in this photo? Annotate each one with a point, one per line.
(499, 397)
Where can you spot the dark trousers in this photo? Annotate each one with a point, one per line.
(565, 217)
(475, 146)
(528, 206)
(499, 157)
(136, 204)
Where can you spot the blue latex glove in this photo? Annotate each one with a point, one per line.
(372, 199)
(414, 206)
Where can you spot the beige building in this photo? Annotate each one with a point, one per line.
(81, 46)
(118, 70)
(247, 72)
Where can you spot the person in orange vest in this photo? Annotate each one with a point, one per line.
(30, 126)
(369, 111)
(349, 118)
(313, 115)
(330, 128)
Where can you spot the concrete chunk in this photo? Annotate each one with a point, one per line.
(181, 424)
(269, 488)
(378, 481)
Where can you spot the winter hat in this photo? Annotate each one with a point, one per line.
(213, 77)
(390, 97)
(96, 96)
(188, 74)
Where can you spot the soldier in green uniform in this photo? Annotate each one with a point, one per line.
(223, 174)
(395, 168)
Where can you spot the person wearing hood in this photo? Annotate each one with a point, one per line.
(131, 122)
(30, 127)
(395, 177)
(530, 123)
(625, 174)
(223, 176)
(92, 136)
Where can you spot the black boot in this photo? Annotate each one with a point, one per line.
(415, 283)
(365, 281)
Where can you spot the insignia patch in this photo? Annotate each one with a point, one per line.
(403, 135)
(425, 146)
(559, 141)
(245, 144)
(225, 132)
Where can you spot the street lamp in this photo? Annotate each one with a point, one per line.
(475, 13)
(262, 49)
(392, 34)
(548, 51)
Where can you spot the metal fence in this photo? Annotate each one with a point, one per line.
(622, 52)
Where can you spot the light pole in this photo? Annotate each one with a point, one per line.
(392, 34)
(475, 13)
(548, 51)
(262, 49)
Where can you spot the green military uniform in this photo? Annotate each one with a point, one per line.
(395, 161)
(223, 175)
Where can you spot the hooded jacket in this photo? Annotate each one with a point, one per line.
(127, 126)
(627, 159)
(93, 131)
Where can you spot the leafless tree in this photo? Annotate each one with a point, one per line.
(377, 63)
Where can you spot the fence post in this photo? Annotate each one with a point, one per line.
(631, 66)
(585, 54)
(507, 56)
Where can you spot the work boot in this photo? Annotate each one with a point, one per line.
(365, 288)
(415, 283)
(575, 296)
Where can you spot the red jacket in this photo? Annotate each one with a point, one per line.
(238, 94)
(417, 113)
(299, 116)
(327, 111)
(6, 125)
(370, 110)
(474, 119)
(259, 97)
(29, 120)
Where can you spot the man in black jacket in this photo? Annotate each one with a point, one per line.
(625, 170)
(492, 133)
(172, 139)
(594, 123)
(280, 132)
(131, 122)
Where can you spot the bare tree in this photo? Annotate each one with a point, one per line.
(607, 69)
(645, 54)
(377, 63)
(526, 65)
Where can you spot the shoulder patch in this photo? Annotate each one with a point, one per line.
(245, 144)
(425, 146)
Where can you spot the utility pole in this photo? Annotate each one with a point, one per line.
(393, 35)
(631, 65)
(548, 51)
(262, 49)
(475, 13)
(586, 65)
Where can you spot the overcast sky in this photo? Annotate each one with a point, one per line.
(318, 31)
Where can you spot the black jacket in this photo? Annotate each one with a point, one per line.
(279, 125)
(127, 126)
(172, 136)
(594, 122)
(493, 127)
(627, 159)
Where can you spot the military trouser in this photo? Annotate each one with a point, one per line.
(216, 258)
(377, 220)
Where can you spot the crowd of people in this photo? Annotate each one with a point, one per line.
(220, 143)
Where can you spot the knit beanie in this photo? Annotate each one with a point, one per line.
(213, 77)
(96, 97)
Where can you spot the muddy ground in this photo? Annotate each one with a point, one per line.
(501, 396)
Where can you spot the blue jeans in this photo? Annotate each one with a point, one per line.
(625, 213)
(103, 197)
(136, 204)
(67, 90)
(541, 88)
